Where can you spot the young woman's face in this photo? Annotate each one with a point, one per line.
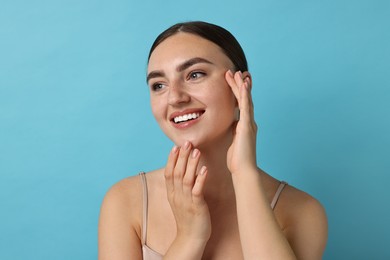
(189, 95)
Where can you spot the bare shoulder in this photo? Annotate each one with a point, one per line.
(124, 196)
(120, 220)
(304, 222)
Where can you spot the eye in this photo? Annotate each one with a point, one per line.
(196, 75)
(157, 86)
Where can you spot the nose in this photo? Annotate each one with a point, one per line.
(177, 95)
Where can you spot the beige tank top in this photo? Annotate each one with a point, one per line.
(149, 253)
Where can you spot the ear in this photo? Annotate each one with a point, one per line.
(245, 75)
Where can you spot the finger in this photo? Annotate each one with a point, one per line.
(246, 105)
(250, 101)
(242, 81)
(247, 78)
(239, 83)
(190, 175)
(242, 77)
(229, 76)
(238, 78)
(197, 190)
(168, 172)
(181, 165)
(248, 86)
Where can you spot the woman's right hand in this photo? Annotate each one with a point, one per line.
(185, 183)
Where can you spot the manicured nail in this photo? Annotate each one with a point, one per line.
(175, 149)
(203, 170)
(195, 153)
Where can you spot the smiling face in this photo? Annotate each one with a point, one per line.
(189, 95)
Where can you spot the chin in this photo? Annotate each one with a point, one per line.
(180, 142)
(202, 140)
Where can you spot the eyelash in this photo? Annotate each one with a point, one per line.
(157, 86)
(199, 74)
(192, 73)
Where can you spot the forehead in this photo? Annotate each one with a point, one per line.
(183, 46)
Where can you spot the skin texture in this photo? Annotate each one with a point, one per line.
(210, 201)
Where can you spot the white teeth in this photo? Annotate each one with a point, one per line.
(186, 117)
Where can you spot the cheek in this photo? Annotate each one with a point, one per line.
(223, 105)
(228, 106)
(225, 97)
(157, 109)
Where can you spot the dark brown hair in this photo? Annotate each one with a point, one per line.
(214, 33)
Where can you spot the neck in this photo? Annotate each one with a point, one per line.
(219, 185)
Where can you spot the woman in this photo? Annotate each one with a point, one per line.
(210, 201)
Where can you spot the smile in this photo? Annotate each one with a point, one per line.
(183, 118)
(186, 117)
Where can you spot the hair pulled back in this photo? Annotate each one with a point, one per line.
(214, 33)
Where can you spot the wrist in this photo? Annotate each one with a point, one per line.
(246, 177)
(245, 171)
(185, 247)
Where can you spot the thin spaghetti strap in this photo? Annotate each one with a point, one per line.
(277, 194)
(145, 207)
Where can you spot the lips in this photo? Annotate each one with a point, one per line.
(186, 116)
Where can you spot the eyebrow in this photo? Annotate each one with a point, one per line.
(154, 74)
(185, 65)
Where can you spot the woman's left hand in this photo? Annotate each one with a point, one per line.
(241, 155)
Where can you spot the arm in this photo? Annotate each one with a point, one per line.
(119, 237)
(260, 234)
(307, 226)
(305, 231)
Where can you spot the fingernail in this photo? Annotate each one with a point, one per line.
(187, 145)
(175, 149)
(203, 170)
(195, 153)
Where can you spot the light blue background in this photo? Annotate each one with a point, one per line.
(75, 116)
